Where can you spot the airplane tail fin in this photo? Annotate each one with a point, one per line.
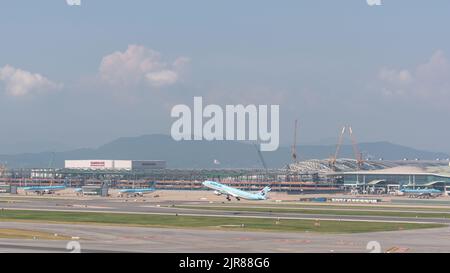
(265, 191)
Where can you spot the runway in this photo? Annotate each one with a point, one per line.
(165, 208)
(96, 238)
(115, 238)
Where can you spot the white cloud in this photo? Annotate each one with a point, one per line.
(20, 83)
(436, 70)
(161, 78)
(430, 80)
(397, 77)
(138, 65)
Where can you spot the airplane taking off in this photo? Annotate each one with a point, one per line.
(136, 192)
(221, 189)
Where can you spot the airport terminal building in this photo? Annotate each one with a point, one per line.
(386, 178)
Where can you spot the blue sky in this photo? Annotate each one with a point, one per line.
(383, 69)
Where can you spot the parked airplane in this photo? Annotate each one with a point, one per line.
(135, 192)
(221, 189)
(41, 190)
(421, 193)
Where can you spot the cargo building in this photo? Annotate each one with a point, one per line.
(125, 165)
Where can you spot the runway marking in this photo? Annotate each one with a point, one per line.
(292, 241)
(396, 249)
(91, 207)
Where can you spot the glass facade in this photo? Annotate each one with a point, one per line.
(403, 179)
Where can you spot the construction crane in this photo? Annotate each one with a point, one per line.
(50, 165)
(294, 145)
(261, 158)
(3, 168)
(263, 162)
(358, 155)
(333, 158)
(51, 161)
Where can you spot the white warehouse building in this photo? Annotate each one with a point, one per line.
(127, 165)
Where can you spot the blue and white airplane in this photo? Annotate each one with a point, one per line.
(136, 192)
(41, 190)
(221, 189)
(421, 193)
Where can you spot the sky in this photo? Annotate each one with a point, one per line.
(80, 76)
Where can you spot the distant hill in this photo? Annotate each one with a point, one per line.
(202, 154)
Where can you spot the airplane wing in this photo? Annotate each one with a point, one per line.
(233, 194)
(236, 194)
(220, 192)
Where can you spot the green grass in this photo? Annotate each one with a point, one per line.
(334, 211)
(29, 234)
(206, 222)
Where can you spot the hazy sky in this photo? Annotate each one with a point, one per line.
(82, 76)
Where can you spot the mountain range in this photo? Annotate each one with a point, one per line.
(209, 154)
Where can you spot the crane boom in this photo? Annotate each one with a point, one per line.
(50, 166)
(339, 144)
(358, 155)
(263, 162)
(338, 147)
(294, 145)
